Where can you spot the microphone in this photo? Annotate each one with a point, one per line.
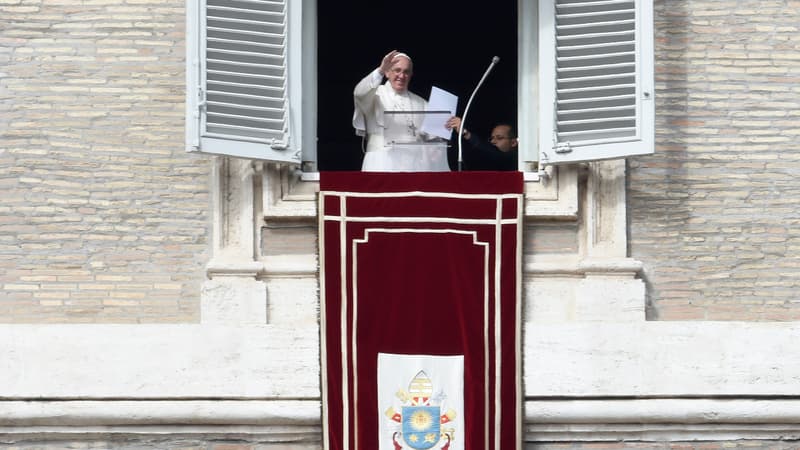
(495, 60)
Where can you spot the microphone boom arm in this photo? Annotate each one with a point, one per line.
(495, 60)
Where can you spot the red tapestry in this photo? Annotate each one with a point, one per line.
(420, 310)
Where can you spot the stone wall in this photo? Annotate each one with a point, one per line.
(219, 443)
(99, 196)
(713, 214)
(103, 216)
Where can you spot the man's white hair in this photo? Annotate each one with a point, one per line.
(404, 55)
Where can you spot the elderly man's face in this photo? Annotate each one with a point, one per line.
(501, 138)
(400, 74)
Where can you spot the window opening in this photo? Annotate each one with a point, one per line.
(451, 52)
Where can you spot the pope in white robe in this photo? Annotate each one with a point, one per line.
(372, 99)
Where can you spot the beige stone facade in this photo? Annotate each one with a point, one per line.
(104, 218)
(713, 213)
(155, 299)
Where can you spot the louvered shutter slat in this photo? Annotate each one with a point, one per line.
(228, 108)
(248, 90)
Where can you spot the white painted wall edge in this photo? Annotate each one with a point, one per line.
(661, 359)
(570, 359)
(674, 411)
(308, 412)
(159, 361)
(160, 412)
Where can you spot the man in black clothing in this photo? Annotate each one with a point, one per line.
(499, 153)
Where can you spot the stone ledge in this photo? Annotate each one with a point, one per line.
(299, 420)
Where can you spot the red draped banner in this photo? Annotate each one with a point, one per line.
(420, 310)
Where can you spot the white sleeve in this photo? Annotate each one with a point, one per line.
(367, 86)
(363, 96)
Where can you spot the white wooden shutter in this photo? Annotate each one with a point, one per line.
(238, 95)
(596, 84)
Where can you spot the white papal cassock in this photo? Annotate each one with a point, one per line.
(372, 99)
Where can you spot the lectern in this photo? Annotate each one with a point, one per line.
(411, 149)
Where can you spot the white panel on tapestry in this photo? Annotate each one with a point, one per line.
(421, 401)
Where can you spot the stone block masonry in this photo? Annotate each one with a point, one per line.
(103, 216)
(714, 212)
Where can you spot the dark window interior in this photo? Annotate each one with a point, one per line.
(451, 42)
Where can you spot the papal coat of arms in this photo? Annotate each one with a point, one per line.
(423, 423)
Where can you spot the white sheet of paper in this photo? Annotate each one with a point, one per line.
(440, 100)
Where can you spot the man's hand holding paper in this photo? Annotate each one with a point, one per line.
(441, 107)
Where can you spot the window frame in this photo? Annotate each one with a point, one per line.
(551, 150)
(301, 77)
(527, 84)
(289, 149)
